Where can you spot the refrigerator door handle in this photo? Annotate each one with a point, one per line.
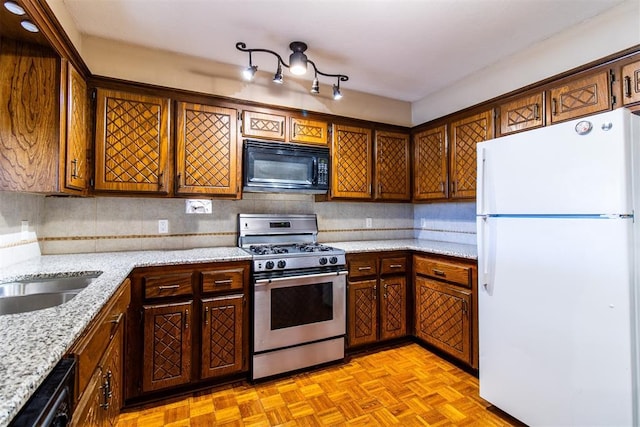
(481, 184)
(483, 252)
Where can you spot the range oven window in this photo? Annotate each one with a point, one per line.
(301, 305)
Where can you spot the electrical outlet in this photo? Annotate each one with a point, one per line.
(368, 223)
(24, 230)
(163, 226)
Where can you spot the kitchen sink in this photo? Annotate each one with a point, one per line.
(32, 294)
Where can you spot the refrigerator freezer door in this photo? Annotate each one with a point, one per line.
(554, 320)
(555, 170)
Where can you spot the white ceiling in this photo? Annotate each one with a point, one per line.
(402, 49)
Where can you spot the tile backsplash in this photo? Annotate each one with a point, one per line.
(100, 224)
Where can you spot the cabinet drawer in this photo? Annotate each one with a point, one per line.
(362, 268)
(167, 285)
(222, 280)
(444, 270)
(393, 265)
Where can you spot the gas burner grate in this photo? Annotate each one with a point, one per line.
(268, 249)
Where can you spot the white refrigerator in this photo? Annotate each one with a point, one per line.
(557, 272)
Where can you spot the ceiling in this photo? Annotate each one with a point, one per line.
(402, 49)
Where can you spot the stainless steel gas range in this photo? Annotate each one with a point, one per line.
(299, 295)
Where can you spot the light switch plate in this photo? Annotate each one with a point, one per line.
(163, 226)
(198, 206)
(24, 230)
(368, 223)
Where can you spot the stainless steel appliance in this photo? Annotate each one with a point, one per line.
(277, 167)
(299, 290)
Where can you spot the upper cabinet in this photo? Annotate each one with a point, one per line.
(465, 135)
(43, 140)
(392, 166)
(430, 179)
(580, 96)
(263, 125)
(352, 161)
(631, 83)
(308, 131)
(206, 150)
(523, 113)
(132, 142)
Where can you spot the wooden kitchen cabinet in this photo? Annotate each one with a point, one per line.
(167, 345)
(377, 297)
(392, 166)
(631, 83)
(309, 131)
(43, 123)
(351, 169)
(445, 298)
(132, 142)
(465, 133)
(190, 327)
(99, 358)
(580, 96)
(263, 125)
(207, 159)
(430, 171)
(523, 113)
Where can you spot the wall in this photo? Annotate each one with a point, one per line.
(605, 34)
(447, 222)
(71, 225)
(16, 246)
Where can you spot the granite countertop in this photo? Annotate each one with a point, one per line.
(31, 344)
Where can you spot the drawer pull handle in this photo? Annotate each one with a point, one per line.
(439, 273)
(395, 266)
(206, 315)
(167, 287)
(364, 268)
(222, 282)
(186, 319)
(627, 86)
(116, 320)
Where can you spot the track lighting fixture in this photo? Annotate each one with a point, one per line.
(298, 63)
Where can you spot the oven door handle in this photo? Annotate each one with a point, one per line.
(265, 282)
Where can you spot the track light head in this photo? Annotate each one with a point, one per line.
(277, 78)
(298, 60)
(315, 87)
(336, 92)
(249, 72)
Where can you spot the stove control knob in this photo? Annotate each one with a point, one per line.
(323, 261)
(282, 263)
(269, 265)
(333, 260)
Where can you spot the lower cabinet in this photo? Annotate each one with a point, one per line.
(99, 354)
(377, 297)
(445, 309)
(192, 327)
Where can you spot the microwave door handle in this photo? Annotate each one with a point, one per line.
(314, 178)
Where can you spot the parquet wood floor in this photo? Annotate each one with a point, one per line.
(405, 386)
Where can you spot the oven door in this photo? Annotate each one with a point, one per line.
(296, 310)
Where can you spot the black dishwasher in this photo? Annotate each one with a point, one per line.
(52, 402)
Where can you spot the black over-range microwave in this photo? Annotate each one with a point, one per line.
(278, 167)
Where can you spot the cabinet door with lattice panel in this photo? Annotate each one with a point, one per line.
(392, 162)
(393, 307)
(76, 169)
(523, 113)
(580, 96)
(430, 164)
(132, 142)
(631, 83)
(206, 150)
(222, 337)
(442, 317)
(263, 125)
(351, 162)
(309, 131)
(362, 315)
(465, 134)
(167, 345)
